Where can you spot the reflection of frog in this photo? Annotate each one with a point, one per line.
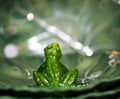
(52, 72)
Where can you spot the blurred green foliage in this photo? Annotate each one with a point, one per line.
(95, 23)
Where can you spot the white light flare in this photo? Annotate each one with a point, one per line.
(10, 51)
(117, 1)
(30, 16)
(34, 45)
(76, 45)
(33, 39)
(87, 51)
(41, 22)
(64, 36)
(52, 29)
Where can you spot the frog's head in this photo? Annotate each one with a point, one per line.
(53, 50)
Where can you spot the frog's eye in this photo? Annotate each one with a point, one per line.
(58, 49)
(49, 46)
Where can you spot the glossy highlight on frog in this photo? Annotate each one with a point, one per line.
(52, 73)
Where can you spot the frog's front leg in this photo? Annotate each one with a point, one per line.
(42, 68)
(69, 79)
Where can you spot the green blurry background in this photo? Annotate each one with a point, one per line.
(94, 23)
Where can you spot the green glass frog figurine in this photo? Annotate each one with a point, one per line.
(52, 73)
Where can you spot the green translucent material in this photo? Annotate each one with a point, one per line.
(52, 73)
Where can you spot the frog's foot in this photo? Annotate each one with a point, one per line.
(69, 79)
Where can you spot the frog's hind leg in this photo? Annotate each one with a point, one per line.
(70, 78)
